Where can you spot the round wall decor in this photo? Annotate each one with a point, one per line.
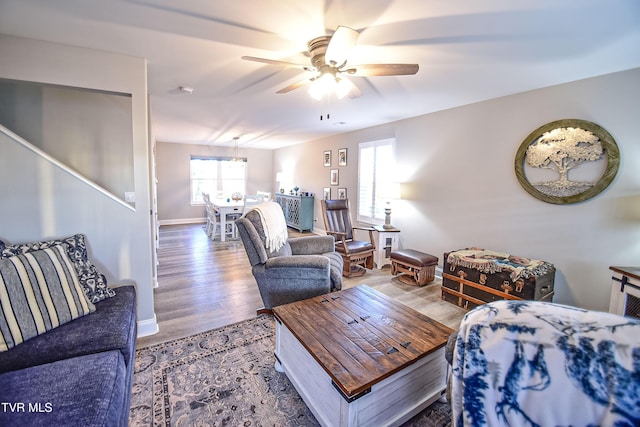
(567, 161)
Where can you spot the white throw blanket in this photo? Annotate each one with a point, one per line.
(273, 223)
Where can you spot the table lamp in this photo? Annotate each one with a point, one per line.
(389, 192)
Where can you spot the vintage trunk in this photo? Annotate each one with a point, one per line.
(469, 285)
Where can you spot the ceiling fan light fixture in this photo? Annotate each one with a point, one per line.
(330, 63)
(315, 90)
(323, 85)
(327, 84)
(343, 87)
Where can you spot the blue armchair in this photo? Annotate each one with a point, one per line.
(303, 268)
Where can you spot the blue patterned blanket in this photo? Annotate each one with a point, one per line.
(526, 363)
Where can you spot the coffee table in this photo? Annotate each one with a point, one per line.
(358, 357)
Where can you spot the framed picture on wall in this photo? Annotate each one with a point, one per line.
(334, 176)
(326, 193)
(342, 193)
(326, 158)
(342, 157)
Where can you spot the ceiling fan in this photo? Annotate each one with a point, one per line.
(329, 65)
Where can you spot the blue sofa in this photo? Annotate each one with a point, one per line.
(78, 374)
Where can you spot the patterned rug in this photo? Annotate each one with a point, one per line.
(225, 377)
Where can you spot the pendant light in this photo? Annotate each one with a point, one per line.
(236, 157)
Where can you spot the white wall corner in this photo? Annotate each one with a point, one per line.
(319, 231)
(438, 272)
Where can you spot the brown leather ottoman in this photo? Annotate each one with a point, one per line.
(418, 268)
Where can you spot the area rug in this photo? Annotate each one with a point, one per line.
(226, 377)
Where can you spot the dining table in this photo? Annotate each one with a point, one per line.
(227, 207)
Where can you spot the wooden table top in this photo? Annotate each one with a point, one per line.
(633, 272)
(360, 336)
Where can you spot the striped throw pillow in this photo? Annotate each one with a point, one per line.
(93, 282)
(39, 291)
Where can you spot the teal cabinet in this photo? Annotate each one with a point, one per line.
(298, 211)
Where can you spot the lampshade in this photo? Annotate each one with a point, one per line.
(390, 191)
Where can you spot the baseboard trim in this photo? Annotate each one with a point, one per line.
(319, 231)
(148, 327)
(182, 221)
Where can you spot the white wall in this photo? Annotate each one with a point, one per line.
(87, 130)
(41, 201)
(460, 188)
(174, 185)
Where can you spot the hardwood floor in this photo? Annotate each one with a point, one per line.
(204, 284)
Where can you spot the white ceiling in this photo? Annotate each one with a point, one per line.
(467, 50)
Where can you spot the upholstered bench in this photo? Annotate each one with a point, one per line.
(418, 267)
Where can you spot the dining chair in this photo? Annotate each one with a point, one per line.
(213, 226)
(266, 195)
(251, 201)
(211, 215)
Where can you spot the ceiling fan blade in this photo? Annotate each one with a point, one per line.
(295, 85)
(276, 62)
(383, 69)
(340, 45)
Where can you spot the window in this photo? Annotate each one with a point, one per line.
(220, 177)
(376, 163)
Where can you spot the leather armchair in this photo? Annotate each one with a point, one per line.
(303, 268)
(356, 254)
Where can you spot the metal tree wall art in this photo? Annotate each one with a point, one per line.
(563, 149)
(563, 146)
